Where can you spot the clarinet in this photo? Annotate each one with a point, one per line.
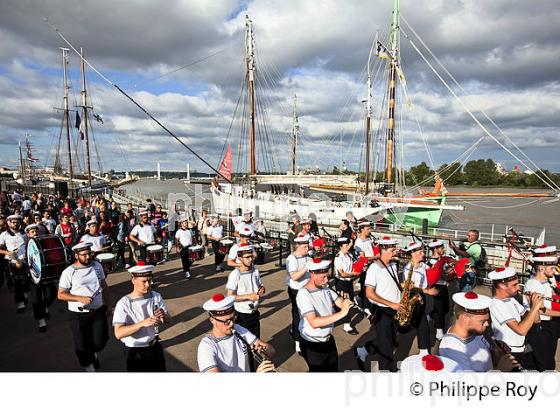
(258, 357)
(368, 316)
(502, 349)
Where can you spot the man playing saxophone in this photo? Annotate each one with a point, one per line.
(383, 289)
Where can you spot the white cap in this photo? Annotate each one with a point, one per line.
(545, 250)
(141, 269)
(247, 212)
(30, 227)
(219, 304)
(318, 267)
(13, 217)
(428, 363)
(435, 243)
(387, 241)
(306, 220)
(242, 250)
(184, 219)
(142, 213)
(301, 238)
(542, 260)
(503, 274)
(363, 222)
(91, 222)
(82, 246)
(472, 302)
(343, 240)
(413, 247)
(246, 231)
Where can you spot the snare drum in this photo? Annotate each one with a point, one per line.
(225, 246)
(46, 257)
(155, 254)
(107, 260)
(196, 252)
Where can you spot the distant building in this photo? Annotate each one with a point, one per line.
(501, 169)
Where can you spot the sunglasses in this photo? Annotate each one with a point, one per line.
(226, 321)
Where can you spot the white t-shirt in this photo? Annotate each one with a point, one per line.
(293, 264)
(502, 311)
(379, 278)
(472, 354)
(144, 233)
(129, 311)
(215, 231)
(419, 277)
(228, 354)
(365, 246)
(320, 302)
(544, 288)
(50, 224)
(27, 205)
(12, 243)
(184, 236)
(83, 282)
(98, 241)
(243, 283)
(342, 262)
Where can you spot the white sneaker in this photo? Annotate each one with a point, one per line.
(368, 312)
(89, 369)
(298, 350)
(20, 307)
(42, 325)
(127, 266)
(423, 352)
(187, 275)
(439, 334)
(217, 268)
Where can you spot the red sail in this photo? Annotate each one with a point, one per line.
(226, 165)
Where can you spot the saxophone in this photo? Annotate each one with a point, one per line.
(408, 301)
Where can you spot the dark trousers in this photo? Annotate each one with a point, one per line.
(42, 296)
(21, 282)
(542, 339)
(3, 269)
(120, 252)
(218, 257)
(143, 252)
(526, 360)
(145, 359)
(90, 333)
(295, 314)
(320, 356)
(386, 335)
(250, 321)
(185, 258)
(423, 327)
(441, 306)
(362, 293)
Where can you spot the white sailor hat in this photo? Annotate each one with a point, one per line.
(184, 219)
(363, 223)
(343, 240)
(143, 213)
(247, 212)
(14, 217)
(82, 246)
(320, 266)
(544, 260)
(243, 250)
(413, 247)
(246, 231)
(387, 241)
(428, 363)
(472, 302)
(301, 239)
(219, 305)
(306, 220)
(434, 243)
(91, 222)
(30, 227)
(503, 274)
(545, 250)
(141, 269)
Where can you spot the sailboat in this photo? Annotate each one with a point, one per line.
(229, 198)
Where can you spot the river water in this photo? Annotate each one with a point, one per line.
(527, 216)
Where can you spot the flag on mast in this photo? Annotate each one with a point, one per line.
(226, 166)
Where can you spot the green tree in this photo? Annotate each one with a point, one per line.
(481, 172)
(418, 174)
(451, 174)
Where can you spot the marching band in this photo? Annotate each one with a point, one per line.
(417, 289)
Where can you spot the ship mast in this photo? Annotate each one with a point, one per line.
(250, 59)
(295, 129)
(85, 115)
(368, 118)
(66, 111)
(392, 91)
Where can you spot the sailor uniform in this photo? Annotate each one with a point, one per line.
(343, 262)
(471, 354)
(318, 346)
(542, 336)
(98, 241)
(243, 283)
(228, 353)
(185, 239)
(216, 231)
(145, 233)
(384, 280)
(294, 264)
(87, 323)
(420, 280)
(428, 363)
(13, 241)
(441, 301)
(143, 350)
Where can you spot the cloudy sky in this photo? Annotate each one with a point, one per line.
(504, 53)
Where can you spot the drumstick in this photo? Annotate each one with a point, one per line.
(93, 295)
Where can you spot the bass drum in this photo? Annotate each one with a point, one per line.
(46, 258)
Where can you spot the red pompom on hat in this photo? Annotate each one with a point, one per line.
(141, 263)
(218, 297)
(432, 363)
(471, 295)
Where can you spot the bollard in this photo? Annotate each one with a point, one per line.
(424, 226)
